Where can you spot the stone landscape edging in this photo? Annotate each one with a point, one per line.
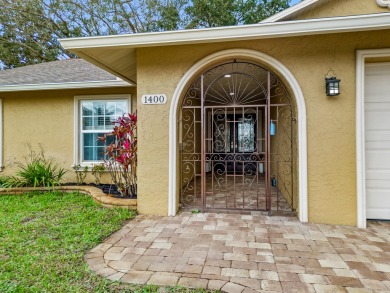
(97, 194)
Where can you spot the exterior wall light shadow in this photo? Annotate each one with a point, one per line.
(332, 86)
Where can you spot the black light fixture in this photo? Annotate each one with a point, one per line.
(332, 86)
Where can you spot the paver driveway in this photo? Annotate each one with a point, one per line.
(236, 253)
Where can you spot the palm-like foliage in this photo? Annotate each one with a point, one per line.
(35, 171)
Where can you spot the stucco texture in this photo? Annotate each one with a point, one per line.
(46, 118)
(330, 121)
(343, 8)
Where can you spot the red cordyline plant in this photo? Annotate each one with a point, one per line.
(121, 154)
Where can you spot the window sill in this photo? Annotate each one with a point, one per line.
(89, 165)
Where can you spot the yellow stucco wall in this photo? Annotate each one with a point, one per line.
(330, 121)
(47, 118)
(343, 8)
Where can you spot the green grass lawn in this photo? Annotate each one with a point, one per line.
(43, 239)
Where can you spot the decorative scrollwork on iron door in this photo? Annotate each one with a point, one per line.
(228, 156)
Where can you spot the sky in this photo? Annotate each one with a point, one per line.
(293, 2)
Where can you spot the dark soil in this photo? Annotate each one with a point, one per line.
(106, 188)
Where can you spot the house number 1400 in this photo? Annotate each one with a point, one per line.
(154, 99)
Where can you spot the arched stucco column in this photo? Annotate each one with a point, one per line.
(301, 109)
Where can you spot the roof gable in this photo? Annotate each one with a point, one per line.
(309, 9)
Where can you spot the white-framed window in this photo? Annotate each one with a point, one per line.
(93, 118)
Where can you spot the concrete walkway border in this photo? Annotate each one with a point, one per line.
(97, 194)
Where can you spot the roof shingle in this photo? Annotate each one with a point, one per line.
(62, 71)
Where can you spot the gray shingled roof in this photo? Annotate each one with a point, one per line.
(62, 71)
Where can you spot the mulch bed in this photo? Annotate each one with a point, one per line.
(109, 189)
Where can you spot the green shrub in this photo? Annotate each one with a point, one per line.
(3, 180)
(9, 182)
(97, 171)
(81, 173)
(36, 171)
(41, 173)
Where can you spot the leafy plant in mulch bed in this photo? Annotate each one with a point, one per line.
(36, 170)
(81, 173)
(121, 155)
(109, 189)
(97, 171)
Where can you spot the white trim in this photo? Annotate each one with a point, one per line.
(107, 67)
(383, 3)
(76, 123)
(361, 56)
(234, 33)
(301, 107)
(1, 136)
(289, 11)
(65, 85)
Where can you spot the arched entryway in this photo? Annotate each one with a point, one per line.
(236, 135)
(224, 151)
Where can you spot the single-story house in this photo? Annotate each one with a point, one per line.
(41, 106)
(288, 115)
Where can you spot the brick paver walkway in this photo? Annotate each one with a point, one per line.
(242, 253)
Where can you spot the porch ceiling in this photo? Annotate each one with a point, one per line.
(117, 54)
(120, 61)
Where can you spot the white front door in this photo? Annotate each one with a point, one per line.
(377, 140)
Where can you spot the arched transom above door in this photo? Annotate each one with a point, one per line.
(236, 83)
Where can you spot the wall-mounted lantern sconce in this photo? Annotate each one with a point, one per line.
(332, 86)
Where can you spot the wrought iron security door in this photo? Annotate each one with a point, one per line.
(229, 158)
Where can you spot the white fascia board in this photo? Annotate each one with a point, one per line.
(65, 85)
(289, 11)
(235, 33)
